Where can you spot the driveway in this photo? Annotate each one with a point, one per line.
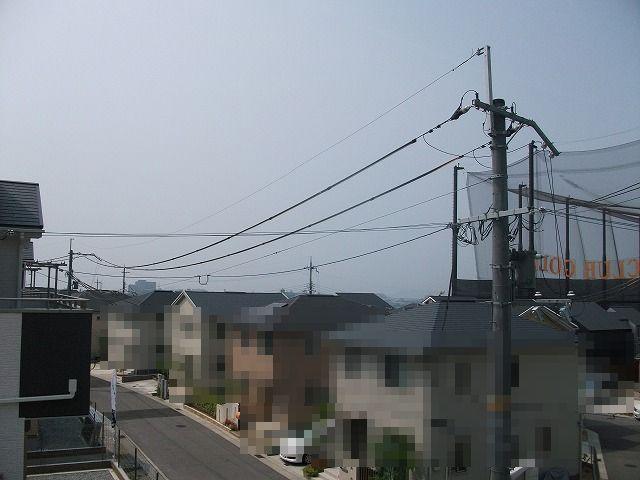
(181, 447)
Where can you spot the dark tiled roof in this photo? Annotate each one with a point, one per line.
(153, 302)
(462, 324)
(591, 316)
(369, 299)
(311, 313)
(231, 303)
(20, 205)
(100, 298)
(628, 313)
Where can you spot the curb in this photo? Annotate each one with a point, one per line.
(594, 440)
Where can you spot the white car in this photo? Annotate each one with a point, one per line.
(292, 450)
(636, 410)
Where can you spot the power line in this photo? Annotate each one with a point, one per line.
(313, 224)
(298, 204)
(341, 140)
(291, 270)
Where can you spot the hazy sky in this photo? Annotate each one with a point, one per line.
(145, 117)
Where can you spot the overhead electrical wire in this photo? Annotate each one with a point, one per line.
(341, 140)
(292, 270)
(317, 222)
(297, 204)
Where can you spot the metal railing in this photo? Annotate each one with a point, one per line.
(124, 451)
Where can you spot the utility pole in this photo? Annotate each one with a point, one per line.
(500, 404)
(454, 233)
(531, 197)
(70, 271)
(310, 276)
(567, 251)
(520, 246)
(124, 272)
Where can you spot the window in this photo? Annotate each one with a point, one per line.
(308, 395)
(220, 363)
(394, 371)
(159, 349)
(245, 340)
(515, 371)
(352, 363)
(187, 327)
(265, 343)
(463, 379)
(543, 439)
(309, 345)
(462, 453)
(220, 330)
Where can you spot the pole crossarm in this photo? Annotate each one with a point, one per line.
(500, 214)
(517, 118)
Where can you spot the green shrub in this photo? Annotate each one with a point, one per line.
(310, 471)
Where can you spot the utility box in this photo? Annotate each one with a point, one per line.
(524, 266)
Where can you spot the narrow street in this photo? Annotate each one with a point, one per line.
(182, 448)
(620, 442)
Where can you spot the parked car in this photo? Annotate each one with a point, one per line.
(292, 450)
(636, 410)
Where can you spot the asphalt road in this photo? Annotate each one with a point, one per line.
(620, 442)
(182, 448)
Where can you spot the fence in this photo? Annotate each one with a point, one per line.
(124, 451)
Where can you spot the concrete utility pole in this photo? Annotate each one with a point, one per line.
(70, 272)
(532, 219)
(500, 404)
(124, 272)
(310, 276)
(454, 233)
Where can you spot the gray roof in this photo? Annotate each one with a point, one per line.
(100, 298)
(227, 304)
(314, 313)
(369, 299)
(591, 316)
(462, 324)
(153, 302)
(20, 205)
(628, 313)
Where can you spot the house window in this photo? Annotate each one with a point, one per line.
(265, 343)
(352, 363)
(220, 330)
(394, 371)
(187, 327)
(463, 378)
(308, 395)
(220, 363)
(543, 439)
(462, 453)
(515, 371)
(245, 340)
(159, 349)
(309, 345)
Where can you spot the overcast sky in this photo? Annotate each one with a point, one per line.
(146, 117)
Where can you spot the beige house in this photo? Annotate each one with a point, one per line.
(411, 392)
(200, 352)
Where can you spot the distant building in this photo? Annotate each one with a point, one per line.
(141, 287)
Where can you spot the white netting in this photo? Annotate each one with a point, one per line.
(606, 179)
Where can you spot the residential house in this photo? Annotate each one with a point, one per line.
(197, 333)
(20, 222)
(41, 375)
(285, 369)
(607, 352)
(412, 392)
(138, 332)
